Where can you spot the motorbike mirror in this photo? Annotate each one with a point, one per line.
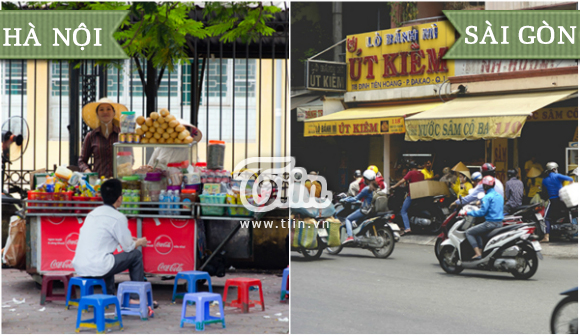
(480, 195)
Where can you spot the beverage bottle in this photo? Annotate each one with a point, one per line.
(162, 197)
(176, 200)
(168, 201)
(135, 198)
(126, 198)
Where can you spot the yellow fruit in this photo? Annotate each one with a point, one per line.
(165, 135)
(164, 112)
(161, 140)
(149, 122)
(173, 123)
(177, 141)
(179, 128)
(154, 115)
(156, 124)
(157, 136)
(152, 140)
(170, 117)
(188, 139)
(148, 135)
(161, 120)
(170, 130)
(165, 126)
(183, 135)
(140, 120)
(160, 130)
(145, 128)
(145, 140)
(174, 135)
(140, 131)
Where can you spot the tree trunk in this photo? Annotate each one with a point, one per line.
(151, 89)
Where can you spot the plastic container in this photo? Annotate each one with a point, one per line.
(202, 166)
(132, 182)
(124, 164)
(237, 212)
(210, 176)
(212, 199)
(188, 195)
(569, 195)
(151, 187)
(195, 187)
(135, 197)
(215, 154)
(63, 173)
(176, 199)
(128, 121)
(174, 174)
(92, 178)
(45, 196)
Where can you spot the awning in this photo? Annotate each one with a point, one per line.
(299, 100)
(488, 117)
(364, 120)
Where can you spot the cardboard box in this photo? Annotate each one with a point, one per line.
(428, 188)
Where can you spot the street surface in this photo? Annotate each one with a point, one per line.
(26, 317)
(354, 292)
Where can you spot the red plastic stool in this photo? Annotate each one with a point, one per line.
(243, 301)
(47, 280)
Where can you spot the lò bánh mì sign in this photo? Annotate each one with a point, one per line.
(325, 76)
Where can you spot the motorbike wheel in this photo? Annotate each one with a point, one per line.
(448, 260)
(438, 247)
(527, 263)
(565, 317)
(313, 254)
(386, 250)
(334, 250)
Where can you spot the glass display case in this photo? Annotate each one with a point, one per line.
(571, 161)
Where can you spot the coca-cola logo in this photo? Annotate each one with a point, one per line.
(55, 264)
(71, 242)
(179, 223)
(55, 220)
(173, 268)
(163, 244)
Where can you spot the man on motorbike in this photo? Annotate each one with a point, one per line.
(412, 176)
(487, 169)
(492, 209)
(514, 191)
(553, 184)
(476, 178)
(354, 187)
(366, 195)
(378, 178)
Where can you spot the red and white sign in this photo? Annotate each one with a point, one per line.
(170, 246)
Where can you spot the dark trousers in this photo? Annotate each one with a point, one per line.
(125, 260)
(554, 211)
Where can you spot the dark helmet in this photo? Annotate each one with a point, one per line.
(487, 169)
(357, 173)
(412, 164)
(512, 173)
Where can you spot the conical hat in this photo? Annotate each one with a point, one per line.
(461, 168)
(534, 172)
(90, 112)
(195, 132)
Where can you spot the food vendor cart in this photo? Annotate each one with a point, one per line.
(54, 222)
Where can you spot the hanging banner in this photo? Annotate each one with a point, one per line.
(464, 128)
(355, 127)
(309, 112)
(555, 114)
(400, 57)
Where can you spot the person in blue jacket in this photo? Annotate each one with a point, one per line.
(366, 195)
(492, 209)
(553, 183)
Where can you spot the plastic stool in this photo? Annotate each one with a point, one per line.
(47, 282)
(285, 288)
(99, 321)
(192, 278)
(145, 298)
(243, 300)
(202, 314)
(86, 286)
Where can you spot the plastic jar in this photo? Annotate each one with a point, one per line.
(174, 174)
(151, 187)
(92, 178)
(215, 154)
(124, 164)
(63, 173)
(188, 195)
(132, 182)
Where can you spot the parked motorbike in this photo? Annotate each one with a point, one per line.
(532, 213)
(426, 214)
(506, 249)
(565, 316)
(566, 226)
(313, 254)
(376, 232)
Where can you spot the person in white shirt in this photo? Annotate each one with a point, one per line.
(104, 229)
(354, 188)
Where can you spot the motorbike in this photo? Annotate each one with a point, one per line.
(376, 232)
(566, 226)
(315, 253)
(532, 213)
(565, 315)
(426, 214)
(510, 248)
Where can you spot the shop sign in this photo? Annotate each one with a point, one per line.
(555, 114)
(309, 112)
(325, 76)
(464, 128)
(355, 127)
(401, 57)
(481, 67)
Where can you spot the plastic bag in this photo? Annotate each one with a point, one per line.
(304, 234)
(15, 250)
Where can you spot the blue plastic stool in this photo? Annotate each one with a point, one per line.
(86, 288)
(145, 298)
(284, 288)
(202, 314)
(99, 322)
(192, 278)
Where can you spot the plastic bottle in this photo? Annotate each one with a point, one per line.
(126, 198)
(176, 199)
(135, 198)
(162, 197)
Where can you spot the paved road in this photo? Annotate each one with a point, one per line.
(408, 292)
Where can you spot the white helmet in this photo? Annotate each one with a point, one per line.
(476, 176)
(369, 175)
(551, 166)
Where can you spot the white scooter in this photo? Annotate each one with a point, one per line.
(510, 248)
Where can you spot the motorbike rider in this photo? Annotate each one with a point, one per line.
(492, 209)
(514, 191)
(366, 196)
(487, 169)
(354, 187)
(553, 183)
(379, 179)
(412, 176)
(476, 178)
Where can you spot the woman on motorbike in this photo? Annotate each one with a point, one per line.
(366, 196)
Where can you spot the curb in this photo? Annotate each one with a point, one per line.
(558, 250)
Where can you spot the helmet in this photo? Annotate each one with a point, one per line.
(511, 173)
(488, 181)
(412, 164)
(357, 173)
(373, 168)
(487, 167)
(369, 175)
(476, 176)
(551, 166)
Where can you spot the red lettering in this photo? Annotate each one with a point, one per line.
(374, 128)
(404, 55)
(355, 128)
(370, 60)
(352, 61)
(416, 61)
(512, 65)
(390, 68)
(436, 62)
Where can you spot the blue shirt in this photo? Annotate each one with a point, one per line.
(365, 194)
(553, 183)
(491, 207)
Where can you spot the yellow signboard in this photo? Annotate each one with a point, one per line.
(355, 127)
(401, 57)
(555, 114)
(464, 128)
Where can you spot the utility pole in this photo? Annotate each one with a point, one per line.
(337, 28)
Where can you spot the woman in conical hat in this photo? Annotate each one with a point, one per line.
(103, 117)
